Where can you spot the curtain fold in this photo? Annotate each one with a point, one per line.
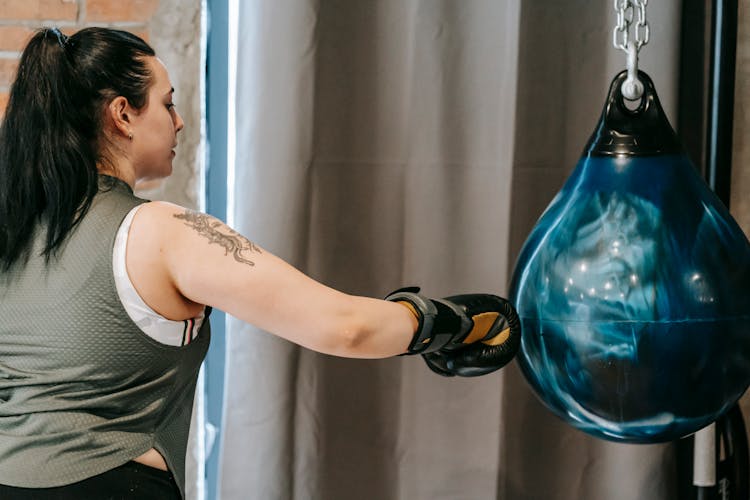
(383, 143)
(266, 393)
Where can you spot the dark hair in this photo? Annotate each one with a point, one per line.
(51, 137)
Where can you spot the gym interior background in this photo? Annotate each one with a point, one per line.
(177, 30)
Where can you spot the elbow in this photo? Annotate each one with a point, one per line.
(362, 327)
(354, 337)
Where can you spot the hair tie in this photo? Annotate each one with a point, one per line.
(62, 38)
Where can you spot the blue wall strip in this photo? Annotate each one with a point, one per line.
(217, 85)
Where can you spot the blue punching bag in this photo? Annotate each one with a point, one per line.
(633, 288)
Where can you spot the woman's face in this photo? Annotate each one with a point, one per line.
(155, 126)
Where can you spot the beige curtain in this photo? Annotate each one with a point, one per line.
(383, 143)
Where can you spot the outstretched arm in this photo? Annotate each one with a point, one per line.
(180, 260)
(207, 262)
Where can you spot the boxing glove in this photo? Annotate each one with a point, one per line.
(466, 335)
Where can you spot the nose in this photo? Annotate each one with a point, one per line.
(178, 123)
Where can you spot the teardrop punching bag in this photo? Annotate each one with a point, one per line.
(633, 288)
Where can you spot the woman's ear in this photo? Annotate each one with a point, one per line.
(119, 112)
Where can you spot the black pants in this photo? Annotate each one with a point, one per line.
(132, 481)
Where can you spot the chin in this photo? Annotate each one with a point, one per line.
(164, 171)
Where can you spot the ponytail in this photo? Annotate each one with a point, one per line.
(51, 137)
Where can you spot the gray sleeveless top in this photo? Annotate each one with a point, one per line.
(82, 388)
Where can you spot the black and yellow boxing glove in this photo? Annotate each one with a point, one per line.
(466, 335)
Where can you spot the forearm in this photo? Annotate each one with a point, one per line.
(328, 321)
(377, 329)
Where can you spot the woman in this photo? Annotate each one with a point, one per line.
(104, 297)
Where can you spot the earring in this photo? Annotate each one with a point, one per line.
(130, 135)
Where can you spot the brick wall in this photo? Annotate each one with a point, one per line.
(19, 19)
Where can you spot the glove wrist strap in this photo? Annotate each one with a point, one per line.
(425, 312)
(439, 321)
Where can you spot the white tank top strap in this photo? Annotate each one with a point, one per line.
(156, 326)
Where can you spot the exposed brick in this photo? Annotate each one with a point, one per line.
(142, 33)
(122, 10)
(3, 103)
(139, 31)
(14, 37)
(7, 71)
(57, 10)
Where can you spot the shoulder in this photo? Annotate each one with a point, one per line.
(161, 216)
(174, 234)
(160, 209)
(156, 226)
(154, 241)
(169, 222)
(197, 254)
(164, 212)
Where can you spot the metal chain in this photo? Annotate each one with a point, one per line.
(626, 13)
(632, 88)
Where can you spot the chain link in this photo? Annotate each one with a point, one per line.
(626, 13)
(642, 31)
(627, 10)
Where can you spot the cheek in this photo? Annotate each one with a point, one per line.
(155, 147)
(162, 132)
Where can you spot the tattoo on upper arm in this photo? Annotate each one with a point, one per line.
(211, 229)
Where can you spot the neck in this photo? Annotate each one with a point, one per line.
(121, 172)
